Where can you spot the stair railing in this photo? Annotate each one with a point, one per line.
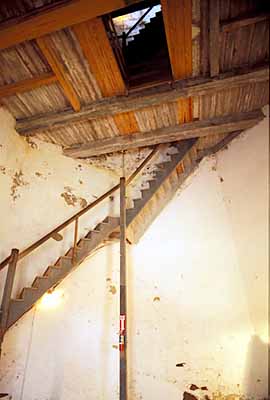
(16, 255)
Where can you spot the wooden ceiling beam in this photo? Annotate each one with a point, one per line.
(59, 71)
(214, 37)
(27, 84)
(177, 17)
(195, 129)
(145, 98)
(244, 20)
(102, 62)
(59, 17)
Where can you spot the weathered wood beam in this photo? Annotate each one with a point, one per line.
(97, 49)
(204, 37)
(237, 23)
(27, 84)
(59, 71)
(214, 37)
(102, 62)
(71, 13)
(219, 146)
(177, 16)
(144, 98)
(224, 124)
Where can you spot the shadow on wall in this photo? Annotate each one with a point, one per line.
(256, 372)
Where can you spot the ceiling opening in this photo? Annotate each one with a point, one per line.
(139, 42)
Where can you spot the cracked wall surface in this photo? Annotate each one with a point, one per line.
(197, 305)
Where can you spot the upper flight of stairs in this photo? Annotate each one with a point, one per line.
(54, 274)
(147, 54)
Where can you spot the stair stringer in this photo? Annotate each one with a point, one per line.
(54, 274)
(169, 183)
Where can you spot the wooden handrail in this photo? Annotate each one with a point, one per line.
(35, 245)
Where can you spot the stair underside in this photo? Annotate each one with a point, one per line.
(54, 274)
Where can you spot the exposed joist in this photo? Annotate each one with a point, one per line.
(214, 38)
(218, 125)
(145, 98)
(204, 37)
(71, 13)
(102, 62)
(239, 22)
(27, 84)
(177, 16)
(59, 71)
(97, 49)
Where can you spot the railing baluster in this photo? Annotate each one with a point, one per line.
(75, 240)
(7, 293)
(51, 234)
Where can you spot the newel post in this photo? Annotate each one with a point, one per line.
(7, 293)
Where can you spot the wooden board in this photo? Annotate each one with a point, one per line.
(102, 62)
(244, 78)
(177, 16)
(27, 84)
(55, 19)
(126, 123)
(223, 124)
(99, 54)
(59, 70)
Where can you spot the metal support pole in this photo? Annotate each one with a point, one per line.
(123, 298)
(7, 293)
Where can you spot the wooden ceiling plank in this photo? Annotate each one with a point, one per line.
(27, 84)
(177, 16)
(59, 71)
(161, 94)
(237, 23)
(204, 37)
(97, 49)
(195, 129)
(214, 38)
(57, 18)
(126, 123)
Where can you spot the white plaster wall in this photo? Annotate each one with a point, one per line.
(197, 295)
(39, 189)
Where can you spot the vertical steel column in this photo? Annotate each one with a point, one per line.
(123, 299)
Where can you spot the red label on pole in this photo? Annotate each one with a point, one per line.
(122, 332)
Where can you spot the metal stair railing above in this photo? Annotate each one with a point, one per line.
(77, 252)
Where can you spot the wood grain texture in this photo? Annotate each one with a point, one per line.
(204, 37)
(177, 16)
(195, 129)
(214, 37)
(99, 54)
(146, 98)
(126, 123)
(27, 84)
(240, 22)
(52, 20)
(59, 70)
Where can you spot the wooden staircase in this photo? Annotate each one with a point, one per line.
(54, 274)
